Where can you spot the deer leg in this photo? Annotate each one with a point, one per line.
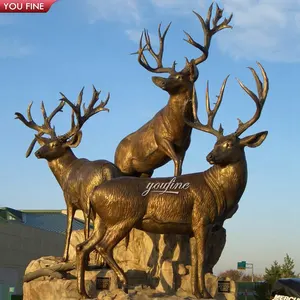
(201, 234)
(111, 238)
(86, 232)
(70, 217)
(147, 175)
(91, 216)
(216, 246)
(194, 270)
(83, 250)
(87, 219)
(181, 158)
(168, 148)
(86, 226)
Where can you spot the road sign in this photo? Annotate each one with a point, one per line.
(241, 265)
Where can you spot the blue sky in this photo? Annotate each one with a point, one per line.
(80, 43)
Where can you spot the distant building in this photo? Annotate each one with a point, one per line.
(26, 235)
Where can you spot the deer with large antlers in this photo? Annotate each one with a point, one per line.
(76, 176)
(212, 197)
(166, 136)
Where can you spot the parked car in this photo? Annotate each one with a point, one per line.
(286, 289)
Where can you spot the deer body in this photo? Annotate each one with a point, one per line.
(166, 136)
(77, 177)
(199, 200)
(211, 197)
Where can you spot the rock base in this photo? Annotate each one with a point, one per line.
(61, 284)
(156, 260)
(66, 290)
(58, 283)
(160, 262)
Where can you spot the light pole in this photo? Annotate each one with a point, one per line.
(250, 266)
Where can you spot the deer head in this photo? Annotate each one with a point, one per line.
(56, 146)
(230, 148)
(182, 81)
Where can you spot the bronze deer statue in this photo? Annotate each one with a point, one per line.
(212, 197)
(166, 136)
(76, 176)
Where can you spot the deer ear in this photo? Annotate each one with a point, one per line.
(75, 140)
(41, 140)
(254, 140)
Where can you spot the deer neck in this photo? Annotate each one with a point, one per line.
(61, 166)
(227, 183)
(176, 104)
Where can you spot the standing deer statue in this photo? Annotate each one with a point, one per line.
(77, 177)
(212, 197)
(166, 136)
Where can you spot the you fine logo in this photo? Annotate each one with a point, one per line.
(171, 187)
(26, 6)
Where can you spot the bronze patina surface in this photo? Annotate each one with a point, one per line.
(212, 197)
(76, 176)
(166, 136)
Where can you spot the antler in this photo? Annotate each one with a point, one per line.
(43, 129)
(262, 89)
(211, 113)
(208, 32)
(88, 112)
(157, 56)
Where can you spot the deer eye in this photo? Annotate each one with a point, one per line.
(178, 77)
(227, 145)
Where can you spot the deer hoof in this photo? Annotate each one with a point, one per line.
(85, 296)
(64, 259)
(206, 295)
(125, 288)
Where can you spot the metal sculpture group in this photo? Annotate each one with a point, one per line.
(112, 194)
(166, 136)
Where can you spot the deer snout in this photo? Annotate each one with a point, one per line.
(160, 82)
(38, 154)
(210, 158)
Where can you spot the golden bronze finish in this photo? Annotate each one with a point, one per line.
(166, 136)
(212, 197)
(77, 177)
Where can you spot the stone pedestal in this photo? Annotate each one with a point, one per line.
(61, 284)
(155, 265)
(157, 260)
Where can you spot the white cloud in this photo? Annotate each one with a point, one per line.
(135, 34)
(262, 29)
(10, 48)
(114, 10)
(265, 29)
(178, 6)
